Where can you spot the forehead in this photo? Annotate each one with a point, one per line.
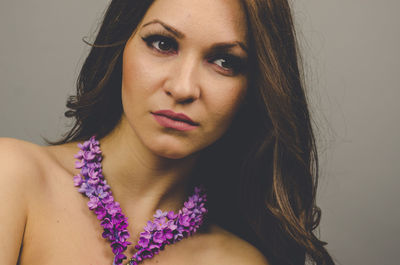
(219, 20)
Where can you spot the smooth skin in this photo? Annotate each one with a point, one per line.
(44, 220)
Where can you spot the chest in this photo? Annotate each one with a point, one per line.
(69, 233)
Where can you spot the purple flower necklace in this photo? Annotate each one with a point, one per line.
(166, 227)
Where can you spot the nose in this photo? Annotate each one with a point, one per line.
(182, 82)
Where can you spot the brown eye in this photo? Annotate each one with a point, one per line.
(229, 63)
(224, 63)
(161, 43)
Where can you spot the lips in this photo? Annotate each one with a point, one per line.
(175, 121)
(175, 116)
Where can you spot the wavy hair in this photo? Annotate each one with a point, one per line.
(262, 174)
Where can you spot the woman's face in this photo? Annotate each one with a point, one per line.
(184, 74)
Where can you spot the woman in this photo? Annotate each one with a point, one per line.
(177, 94)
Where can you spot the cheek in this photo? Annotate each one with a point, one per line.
(225, 103)
(138, 80)
(134, 72)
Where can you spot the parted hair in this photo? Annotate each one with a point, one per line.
(262, 175)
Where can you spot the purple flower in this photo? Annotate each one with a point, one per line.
(79, 164)
(96, 150)
(113, 208)
(160, 223)
(155, 248)
(171, 225)
(79, 155)
(184, 220)
(126, 243)
(78, 180)
(100, 211)
(145, 234)
(106, 223)
(108, 234)
(189, 204)
(168, 234)
(88, 156)
(87, 189)
(118, 218)
(132, 262)
(149, 226)
(93, 140)
(186, 211)
(103, 183)
(84, 146)
(117, 247)
(159, 237)
(93, 165)
(121, 225)
(143, 242)
(171, 215)
(93, 173)
(166, 228)
(160, 214)
(93, 181)
(194, 198)
(178, 236)
(183, 230)
(94, 201)
(85, 171)
(137, 257)
(145, 253)
(119, 258)
(101, 193)
(108, 199)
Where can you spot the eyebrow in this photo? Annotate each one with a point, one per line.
(180, 35)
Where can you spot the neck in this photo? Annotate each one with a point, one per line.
(140, 179)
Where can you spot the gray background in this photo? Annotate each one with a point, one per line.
(352, 64)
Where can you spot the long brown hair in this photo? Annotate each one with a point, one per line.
(262, 174)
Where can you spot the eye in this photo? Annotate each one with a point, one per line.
(229, 63)
(161, 43)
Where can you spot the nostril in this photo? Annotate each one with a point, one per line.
(180, 97)
(186, 101)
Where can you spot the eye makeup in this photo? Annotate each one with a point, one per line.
(229, 63)
(166, 43)
(225, 61)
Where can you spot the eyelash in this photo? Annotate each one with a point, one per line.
(157, 37)
(236, 64)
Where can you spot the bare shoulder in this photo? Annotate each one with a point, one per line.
(29, 158)
(29, 164)
(224, 247)
(19, 160)
(20, 173)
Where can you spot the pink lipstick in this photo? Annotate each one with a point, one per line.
(177, 121)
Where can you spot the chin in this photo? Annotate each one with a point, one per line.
(173, 153)
(170, 150)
